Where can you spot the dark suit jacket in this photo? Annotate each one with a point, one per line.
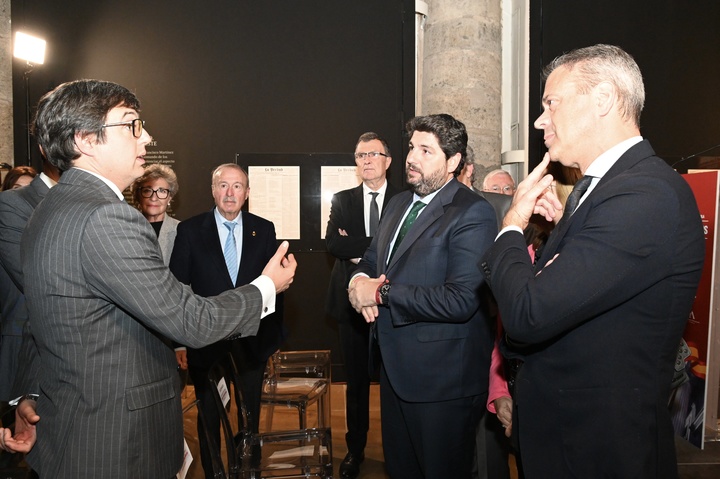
(347, 212)
(434, 336)
(97, 290)
(16, 206)
(604, 322)
(197, 260)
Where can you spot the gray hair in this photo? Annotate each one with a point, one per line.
(494, 173)
(230, 165)
(600, 63)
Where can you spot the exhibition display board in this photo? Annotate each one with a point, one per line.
(694, 399)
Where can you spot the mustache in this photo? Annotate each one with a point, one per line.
(229, 199)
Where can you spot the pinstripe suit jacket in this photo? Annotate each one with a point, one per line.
(98, 292)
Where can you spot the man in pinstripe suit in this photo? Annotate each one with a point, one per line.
(98, 294)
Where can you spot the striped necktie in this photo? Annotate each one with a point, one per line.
(230, 251)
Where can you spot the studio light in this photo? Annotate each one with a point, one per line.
(29, 48)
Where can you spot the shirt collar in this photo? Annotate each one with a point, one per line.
(112, 185)
(220, 219)
(607, 159)
(381, 190)
(49, 182)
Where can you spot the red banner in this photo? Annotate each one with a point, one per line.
(689, 395)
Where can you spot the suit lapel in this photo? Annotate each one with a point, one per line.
(390, 191)
(357, 209)
(630, 158)
(211, 242)
(391, 218)
(249, 239)
(428, 216)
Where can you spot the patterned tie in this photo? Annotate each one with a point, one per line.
(231, 251)
(409, 220)
(374, 213)
(575, 195)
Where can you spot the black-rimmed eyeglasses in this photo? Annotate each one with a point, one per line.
(136, 125)
(161, 193)
(369, 154)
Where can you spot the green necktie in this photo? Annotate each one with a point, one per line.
(409, 220)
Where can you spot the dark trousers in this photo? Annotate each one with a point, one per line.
(433, 440)
(493, 449)
(354, 338)
(251, 376)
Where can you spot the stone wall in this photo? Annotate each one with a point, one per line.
(462, 72)
(6, 101)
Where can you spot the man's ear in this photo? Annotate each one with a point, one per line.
(85, 143)
(453, 162)
(606, 97)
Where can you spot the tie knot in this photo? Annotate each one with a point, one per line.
(374, 194)
(573, 199)
(230, 225)
(583, 183)
(417, 206)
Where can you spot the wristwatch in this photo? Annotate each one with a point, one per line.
(383, 292)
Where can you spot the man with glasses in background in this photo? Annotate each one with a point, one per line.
(354, 215)
(499, 181)
(108, 402)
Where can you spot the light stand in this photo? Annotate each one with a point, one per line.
(32, 50)
(26, 77)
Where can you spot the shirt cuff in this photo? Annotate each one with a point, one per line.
(20, 399)
(267, 291)
(509, 228)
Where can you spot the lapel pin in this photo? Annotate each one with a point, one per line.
(254, 234)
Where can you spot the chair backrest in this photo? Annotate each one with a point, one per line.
(499, 202)
(310, 364)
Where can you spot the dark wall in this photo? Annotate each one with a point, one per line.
(218, 79)
(675, 43)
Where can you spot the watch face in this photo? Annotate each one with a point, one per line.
(384, 290)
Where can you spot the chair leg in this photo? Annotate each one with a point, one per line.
(302, 412)
(323, 407)
(270, 408)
